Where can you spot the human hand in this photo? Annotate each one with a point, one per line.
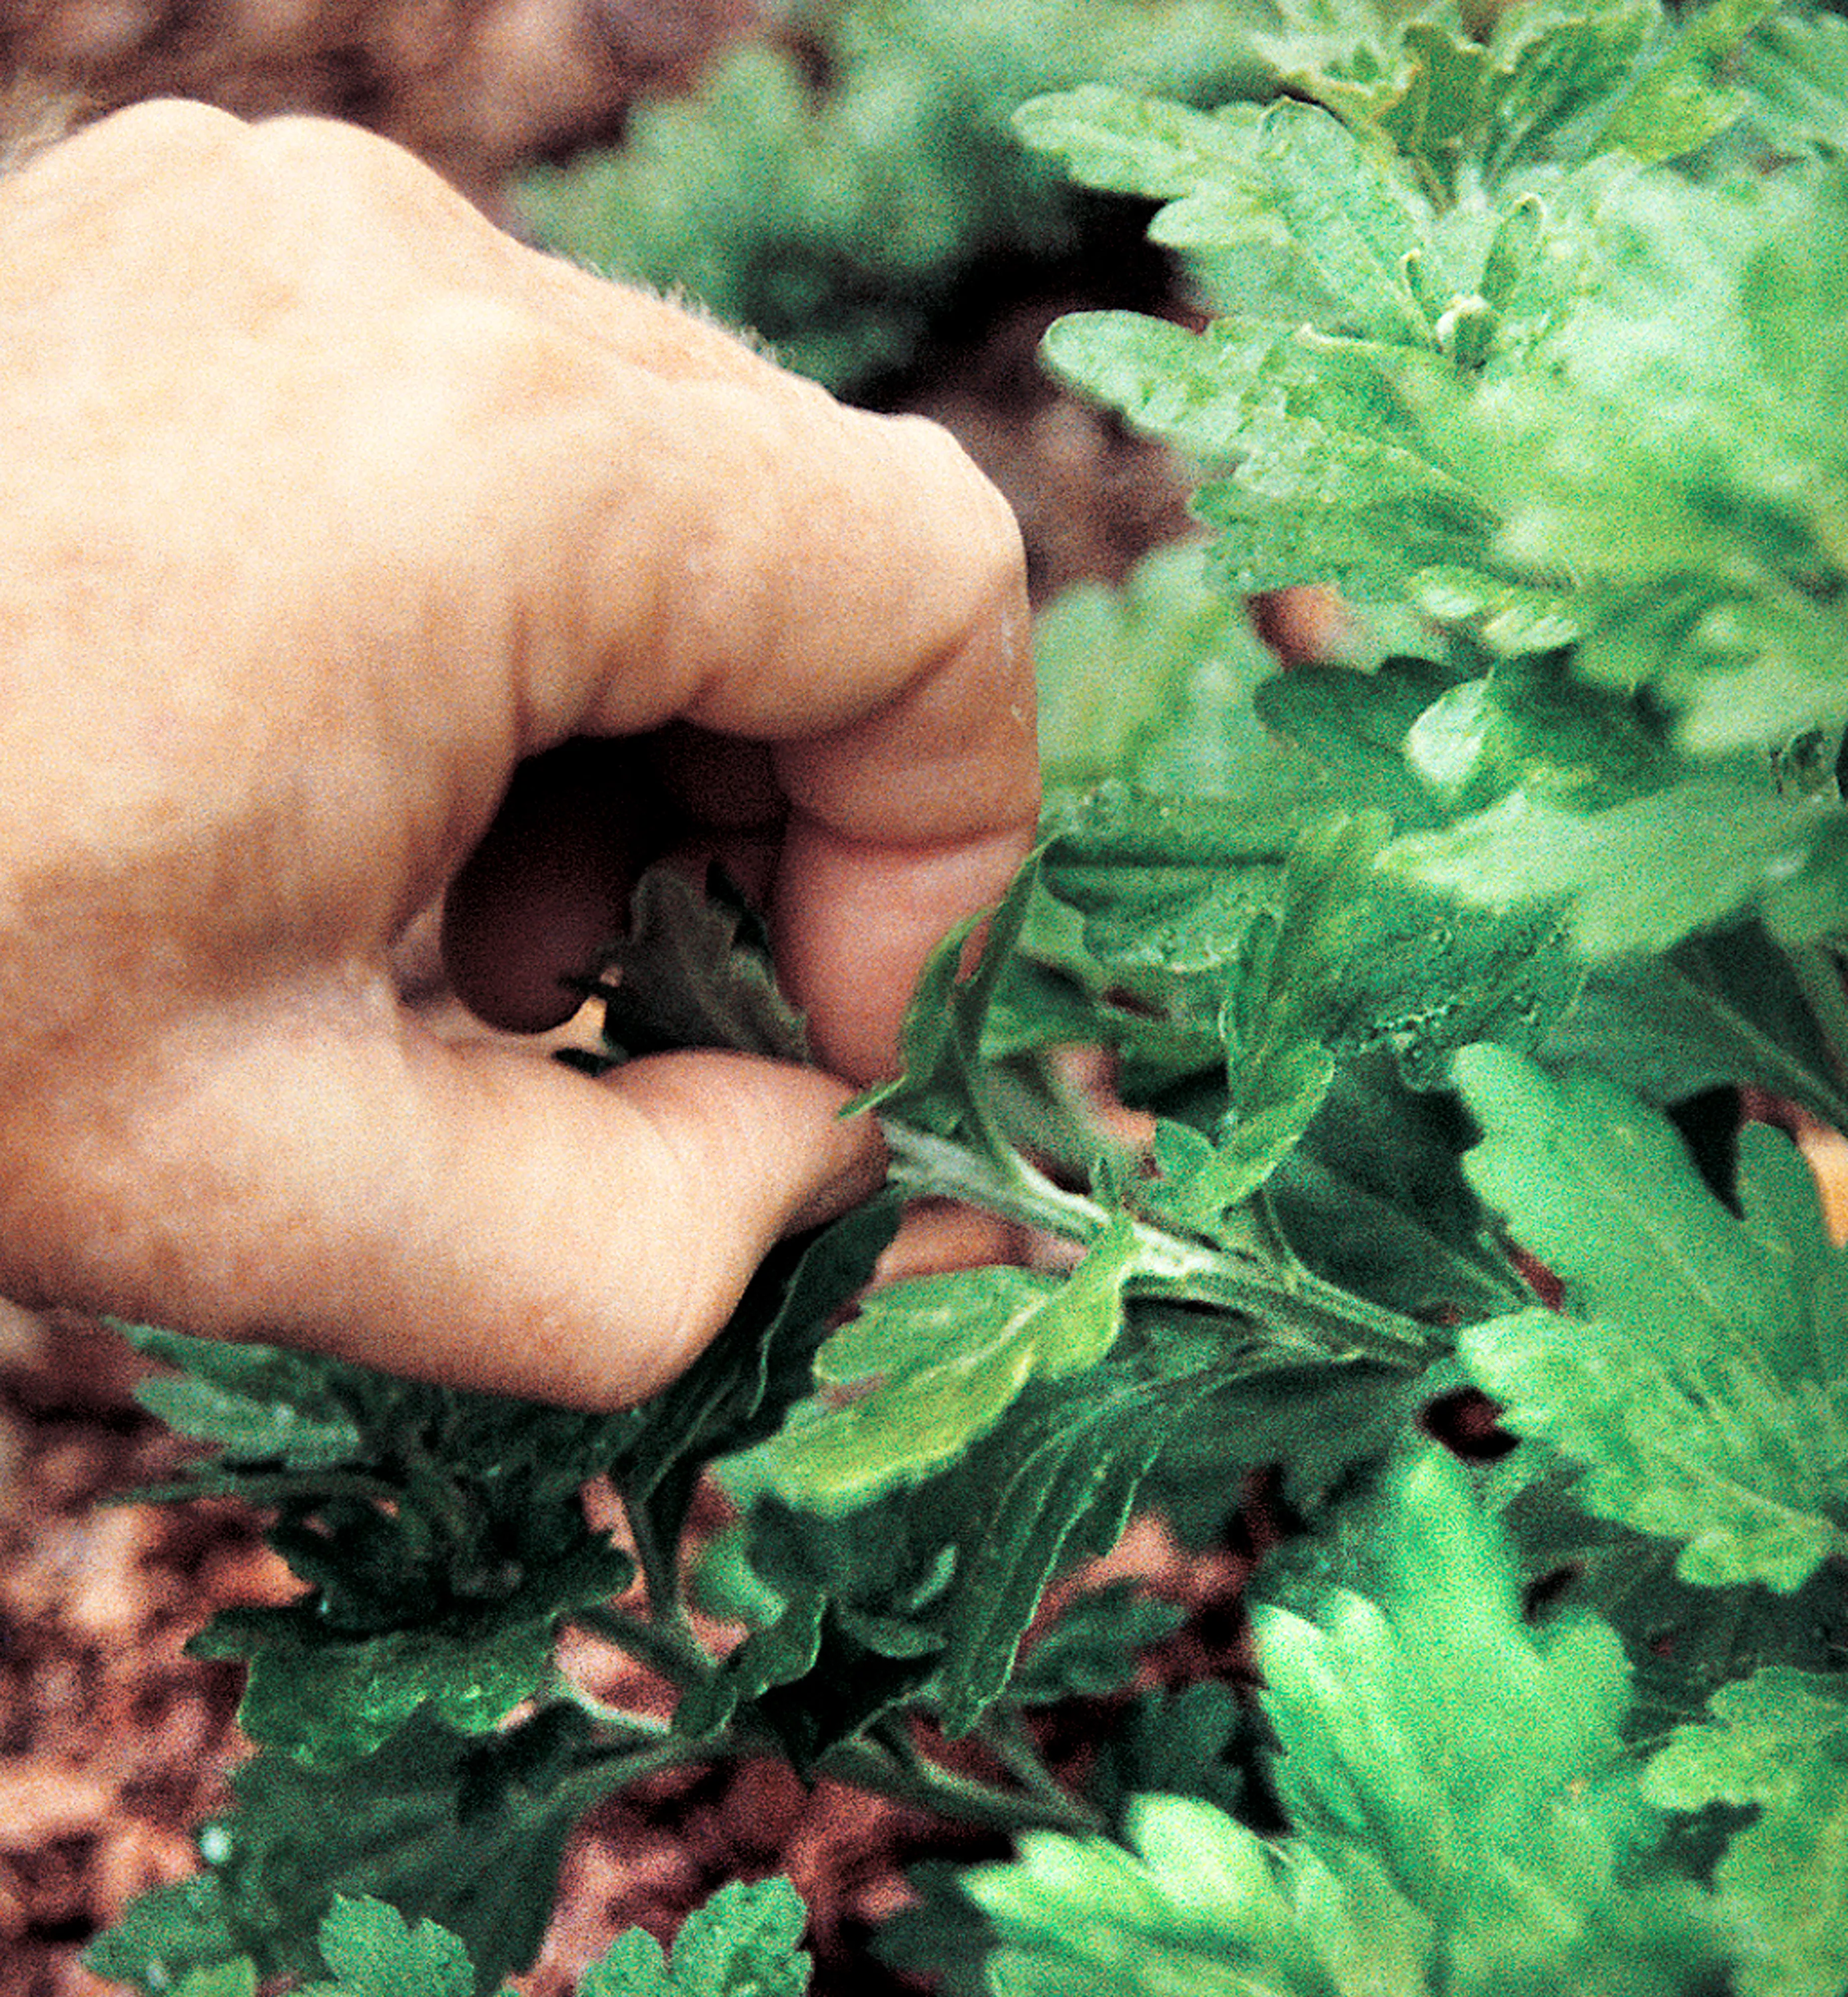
(328, 505)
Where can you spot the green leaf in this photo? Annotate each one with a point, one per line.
(224, 1979)
(1166, 885)
(936, 1362)
(1354, 223)
(1200, 1741)
(1676, 105)
(739, 1389)
(371, 1952)
(1716, 849)
(1462, 1819)
(943, 1088)
(778, 1654)
(328, 1697)
(1374, 1199)
(1700, 1371)
(1091, 1650)
(1061, 1482)
(693, 969)
(847, 218)
(743, 1942)
(1558, 71)
(1720, 1009)
(467, 1833)
(173, 1937)
(1112, 138)
(1152, 684)
(948, 1573)
(259, 1406)
(1326, 1430)
(1795, 71)
(1684, 1640)
(1778, 1739)
(1355, 726)
(1279, 991)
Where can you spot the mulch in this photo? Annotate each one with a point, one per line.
(115, 1746)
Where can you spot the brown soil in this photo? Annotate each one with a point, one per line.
(114, 1747)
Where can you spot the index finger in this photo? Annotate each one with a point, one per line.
(686, 530)
(849, 588)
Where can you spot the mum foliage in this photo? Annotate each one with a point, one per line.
(1528, 333)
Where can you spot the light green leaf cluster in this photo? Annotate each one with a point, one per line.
(1463, 1820)
(1439, 284)
(1795, 70)
(1778, 1740)
(1699, 1371)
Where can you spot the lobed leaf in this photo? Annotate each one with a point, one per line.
(1461, 1820)
(468, 1834)
(371, 1951)
(1778, 1740)
(936, 1362)
(1700, 1371)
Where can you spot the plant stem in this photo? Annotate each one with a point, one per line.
(670, 1649)
(661, 1577)
(1002, 1733)
(908, 1778)
(1293, 1305)
(619, 1766)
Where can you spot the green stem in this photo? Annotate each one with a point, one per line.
(910, 1779)
(622, 1765)
(1002, 1733)
(634, 1731)
(1294, 1306)
(661, 1578)
(671, 1649)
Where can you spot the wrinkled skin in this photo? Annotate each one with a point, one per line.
(328, 507)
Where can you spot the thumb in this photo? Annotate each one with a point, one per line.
(337, 1178)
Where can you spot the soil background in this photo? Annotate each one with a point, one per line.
(114, 1745)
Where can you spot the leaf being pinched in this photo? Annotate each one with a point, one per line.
(943, 1088)
(1699, 1371)
(693, 969)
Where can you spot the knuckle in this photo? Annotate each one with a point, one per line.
(173, 125)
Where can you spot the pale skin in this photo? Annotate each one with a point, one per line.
(327, 506)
